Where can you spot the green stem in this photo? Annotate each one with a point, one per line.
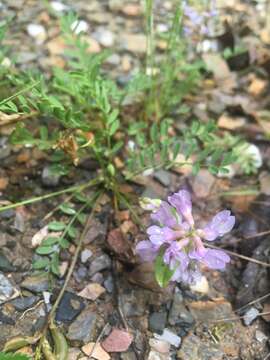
(31, 86)
(56, 193)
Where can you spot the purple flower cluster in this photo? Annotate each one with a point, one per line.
(176, 237)
(198, 20)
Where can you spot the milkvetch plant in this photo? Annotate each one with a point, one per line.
(176, 245)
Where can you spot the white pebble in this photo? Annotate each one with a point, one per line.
(79, 26)
(170, 337)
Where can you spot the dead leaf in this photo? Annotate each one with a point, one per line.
(6, 119)
(98, 353)
(257, 86)
(117, 341)
(92, 291)
(40, 236)
(230, 123)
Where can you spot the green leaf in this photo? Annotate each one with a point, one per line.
(50, 240)
(114, 127)
(41, 263)
(11, 356)
(55, 264)
(72, 232)
(56, 226)
(162, 272)
(44, 250)
(67, 209)
(64, 243)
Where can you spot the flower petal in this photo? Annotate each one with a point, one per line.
(216, 259)
(165, 215)
(146, 250)
(182, 202)
(222, 223)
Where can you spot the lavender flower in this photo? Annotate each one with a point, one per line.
(179, 242)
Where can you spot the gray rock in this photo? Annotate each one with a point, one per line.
(49, 178)
(250, 316)
(83, 328)
(170, 337)
(36, 283)
(7, 214)
(163, 176)
(81, 273)
(70, 306)
(5, 148)
(128, 356)
(6, 288)
(108, 284)
(114, 59)
(5, 264)
(195, 348)
(157, 322)
(24, 303)
(85, 255)
(100, 263)
(104, 36)
(260, 336)
(133, 303)
(178, 313)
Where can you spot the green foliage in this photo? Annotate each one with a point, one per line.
(11, 356)
(163, 273)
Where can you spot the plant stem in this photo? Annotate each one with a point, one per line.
(75, 258)
(56, 193)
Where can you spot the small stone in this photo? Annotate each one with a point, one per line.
(73, 354)
(117, 341)
(264, 178)
(58, 6)
(69, 308)
(104, 37)
(38, 32)
(178, 313)
(114, 60)
(83, 328)
(160, 346)
(48, 178)
(6, 289)
(260, 336)
(98, 353)
(7, 214)
(24, 303)
(154, 355)
(163, 176)
(201, 286)
(157, 322)
(3, 183)
(129, 355)
(36, 283)
(5, 148)
(132, 9)
(79, 26)
(169, 337)
(250, 316)
(85, 255)
(92, 291)
(5, 264)
(134, 43)
(203, 183)
(109, 285)
(100, 263)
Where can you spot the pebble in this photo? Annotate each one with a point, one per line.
(79, 26)
(178, 313)
(157, 322)
(169, 337)
(203, 183)
(5, 264)
(134, 43)
(48, 178)
(117, 341)
(5, 148)
(36, 283)
(85, 255)
(128, 355)
(37, 31)
(260, 336)
(99, 353)
(100, 263)
(70, 307)
(83, 328)
(250, 316)
(160, 346)
(200, 286)
(114, 60)
(7, 214)
(108, 284)
(154, 355)
(58, 6)
(24, 303)
(6, 289)
(104, 37)
(92, 291)
(163, 176)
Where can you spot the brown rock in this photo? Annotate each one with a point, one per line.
(117, 341)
